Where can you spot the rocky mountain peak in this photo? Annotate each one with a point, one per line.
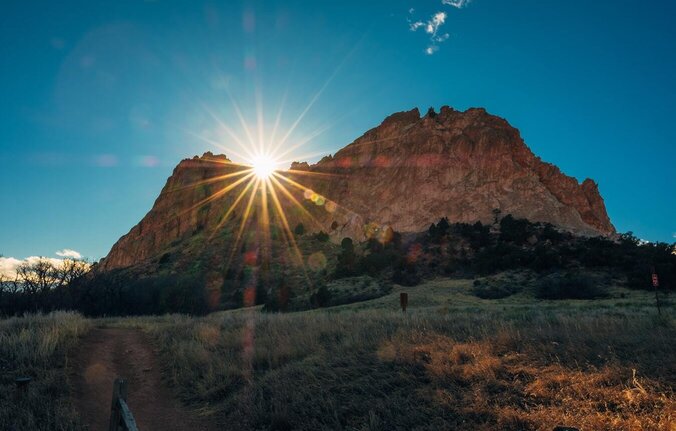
(404, 174)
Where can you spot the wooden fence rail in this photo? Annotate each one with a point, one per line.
(121, 418)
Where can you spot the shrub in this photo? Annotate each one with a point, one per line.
(514, 229)
(321, 297)
(321, 236)
(406, 274)
(569, 286)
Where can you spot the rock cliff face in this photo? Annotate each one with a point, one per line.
(406, 173)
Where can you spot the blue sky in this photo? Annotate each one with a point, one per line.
(100, 100)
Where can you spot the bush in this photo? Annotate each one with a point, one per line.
(321, 297)
(569, 286)
(514, 229)
(322, 236)
(406, 274)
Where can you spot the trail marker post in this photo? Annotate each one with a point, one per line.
(403, 301)
(656, 284)
(22, 387)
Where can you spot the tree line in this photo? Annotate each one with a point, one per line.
(37, 283)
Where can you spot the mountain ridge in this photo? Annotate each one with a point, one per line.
(403, 174)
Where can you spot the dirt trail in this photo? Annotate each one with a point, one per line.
(107, 353)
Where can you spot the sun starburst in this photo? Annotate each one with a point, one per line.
(263, 166)
(263, 189)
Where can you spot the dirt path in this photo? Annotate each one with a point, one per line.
(107, 353)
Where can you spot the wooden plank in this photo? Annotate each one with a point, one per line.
(119, 390)
(127, 417)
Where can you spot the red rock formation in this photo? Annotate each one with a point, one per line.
(406, 173)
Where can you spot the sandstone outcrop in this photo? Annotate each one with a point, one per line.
(405, 174)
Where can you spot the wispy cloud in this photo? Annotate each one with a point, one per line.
(456, 3)
(438, 19)
(431, 27)
(434, 23)
(66, 252)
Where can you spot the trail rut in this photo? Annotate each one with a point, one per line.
(107, 353)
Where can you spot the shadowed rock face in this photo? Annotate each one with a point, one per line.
(406, 173)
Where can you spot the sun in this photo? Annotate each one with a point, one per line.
(263, 166)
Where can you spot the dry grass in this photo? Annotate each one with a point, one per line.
(36, 346)
(376, 369)
(453, 362)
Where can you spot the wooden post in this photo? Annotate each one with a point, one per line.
(22, 387)
(403, 301)
(656, 284)
(119, 392)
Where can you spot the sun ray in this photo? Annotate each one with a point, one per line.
(242, 122)
(232, 208)
(260, 121)
(264, 223)
(211, 180)
(285, 225)
(217, 144)
(304, 141)
(288, 194)
(313, 173)
(217, 194)
(278, 118)
(245, 218)
(317, 95)
(227, 128)
(303, 188)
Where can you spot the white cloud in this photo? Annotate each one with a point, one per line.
(456, 3)
(433, 25)
(438, 19)
(66, 252)
(9, 265)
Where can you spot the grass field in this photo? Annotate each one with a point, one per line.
(37, 346)
(453, 361)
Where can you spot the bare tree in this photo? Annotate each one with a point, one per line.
(8, 285)
(43, 275)
(71, 269)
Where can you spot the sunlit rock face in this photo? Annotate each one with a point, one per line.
(404, 174)
(410, 171)
(191, 202)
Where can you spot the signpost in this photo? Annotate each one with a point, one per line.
(403, 301)
(656, 284)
